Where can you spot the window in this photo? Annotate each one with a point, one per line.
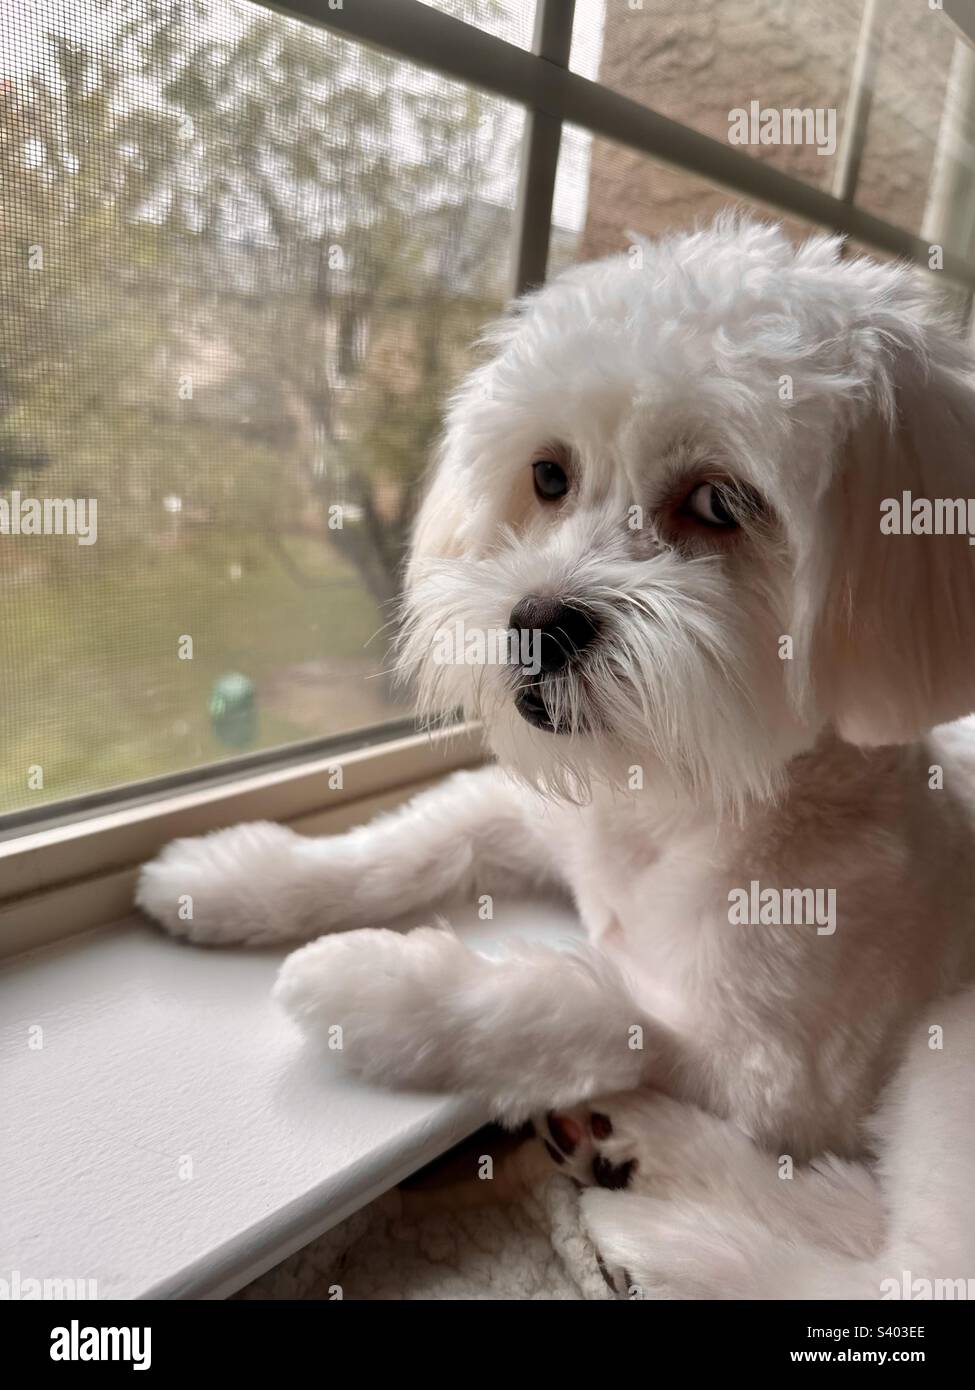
(608, 193)
(244, 258)
(892, 80)
(696, 63)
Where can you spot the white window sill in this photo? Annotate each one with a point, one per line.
(158, 1058)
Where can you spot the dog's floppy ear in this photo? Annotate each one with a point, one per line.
(443, 514)
(898, 624)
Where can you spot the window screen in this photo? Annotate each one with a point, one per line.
(241, 264)
(697, 63)
(894, 73)
(607, 194)
(511, 20)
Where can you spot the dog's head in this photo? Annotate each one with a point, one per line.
(666, 487)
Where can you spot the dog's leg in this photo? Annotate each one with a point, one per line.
(532, 1028)
(925, 1137)
(660, 1248)
(720, 1222)
(648, 1143)
(260, 884)
(690, 1207)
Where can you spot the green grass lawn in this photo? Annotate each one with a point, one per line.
(96, 695)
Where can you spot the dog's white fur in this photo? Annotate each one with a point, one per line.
(825, 384)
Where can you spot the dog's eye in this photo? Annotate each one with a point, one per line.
(711, 504)
(551, 480)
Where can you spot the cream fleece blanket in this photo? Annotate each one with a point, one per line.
(531, 1248)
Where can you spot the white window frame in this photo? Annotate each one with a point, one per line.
(71, 867)
(78, 872)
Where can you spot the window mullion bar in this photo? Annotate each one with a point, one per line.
(541, 141)
(859, 102)
(949, 214)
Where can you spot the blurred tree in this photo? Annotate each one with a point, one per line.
(264, 254)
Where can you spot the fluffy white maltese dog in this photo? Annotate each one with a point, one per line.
(677, 481)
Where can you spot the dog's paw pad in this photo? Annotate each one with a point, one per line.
(615, 1176)
(575, 1144)
(565, 1131)
(600, 1124)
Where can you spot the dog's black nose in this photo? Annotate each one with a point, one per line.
(563, 631)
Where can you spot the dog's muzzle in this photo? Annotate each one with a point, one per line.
(556, 634)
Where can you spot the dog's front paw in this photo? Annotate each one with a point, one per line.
(655, 1248)
(371, 995)
(231, 887)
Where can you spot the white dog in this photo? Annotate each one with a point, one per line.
(672, 478)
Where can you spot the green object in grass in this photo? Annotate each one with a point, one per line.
(233, 710)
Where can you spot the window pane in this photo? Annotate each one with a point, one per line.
(702, 64)
(607, 193)
(241, 263)
(912, 114)
(698, 63)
